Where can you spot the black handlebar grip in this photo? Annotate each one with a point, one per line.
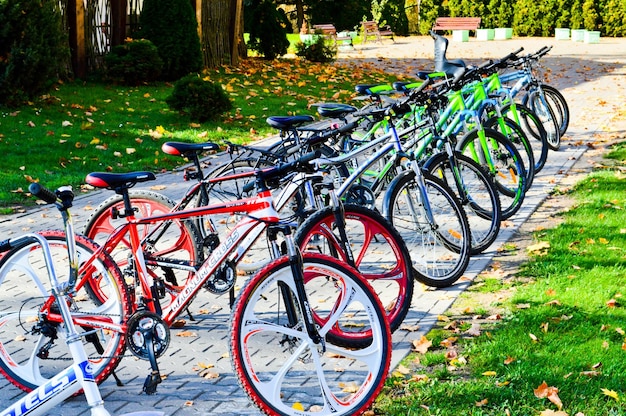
(42, 193)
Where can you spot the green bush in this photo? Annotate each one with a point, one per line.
(199, 99)
(135, 62)
(171, 25)
(34, 49)
(320, 49)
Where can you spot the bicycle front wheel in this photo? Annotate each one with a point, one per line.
(279, 366)
(476, 192)
(533, 128)
(378, 250)
(433, 225)
(31, 331)
(503, 162)
(538, 102)
(512, 131)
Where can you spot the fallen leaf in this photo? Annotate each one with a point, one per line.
(410, 328)
(490, 374)
(186, 334)
(611, 393)
(549, 392)
(481, 403)
(422, 345)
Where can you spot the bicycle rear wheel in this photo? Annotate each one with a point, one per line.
(440, 249)
(172, 239)
(277, 364)
(32, 346)
(378, 250)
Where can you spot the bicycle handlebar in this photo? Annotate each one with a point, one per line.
(42, 193)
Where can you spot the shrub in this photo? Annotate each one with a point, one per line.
(319, 50)
(34, 49)
(201, 100)
(134, 62)
(171, 25)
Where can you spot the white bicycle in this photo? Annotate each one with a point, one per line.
(58, 298)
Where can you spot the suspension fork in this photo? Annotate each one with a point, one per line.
(340, 221)
(456, 172)
(292, 305)
(421, 194)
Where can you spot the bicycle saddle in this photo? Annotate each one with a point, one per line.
(118, 180)
(185, 149)
(335, 110)
(455, 67)
(288, 122)
(373, 89)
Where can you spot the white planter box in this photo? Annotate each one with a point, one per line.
(503, 33)
(561, 34)
(592, 36)
(485, 34)
(578, 35)
(460, 35)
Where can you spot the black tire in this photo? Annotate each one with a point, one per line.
(504, 164)
(559, 106)
(378, 250)
(441, 251)
(477, 194)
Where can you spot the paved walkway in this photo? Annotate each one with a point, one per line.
(592, 78)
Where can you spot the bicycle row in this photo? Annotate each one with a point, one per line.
(361, 191)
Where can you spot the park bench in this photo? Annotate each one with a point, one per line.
(456, 23)
(371, 29)
(329, 31)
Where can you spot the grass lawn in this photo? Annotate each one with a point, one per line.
(82, 127)
(551, 340)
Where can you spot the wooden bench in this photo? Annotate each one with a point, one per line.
(456, 23)
(329, 30)
(370, 29)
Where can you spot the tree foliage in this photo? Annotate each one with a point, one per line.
(268, 27)
(171, 25)
(34, 49)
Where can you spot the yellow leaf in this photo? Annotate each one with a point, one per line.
(187, 334)
(489, 374)
(539, 249)
(611, 393)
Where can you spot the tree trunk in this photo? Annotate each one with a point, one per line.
(215, 32)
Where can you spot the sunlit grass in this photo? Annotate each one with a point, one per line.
(564, 325)
(90, 126)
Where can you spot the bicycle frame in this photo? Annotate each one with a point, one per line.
(75, 377)
(260, 210)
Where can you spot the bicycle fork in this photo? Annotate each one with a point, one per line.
(302, 302)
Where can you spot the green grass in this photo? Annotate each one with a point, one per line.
(565, 324)
(91, 126)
